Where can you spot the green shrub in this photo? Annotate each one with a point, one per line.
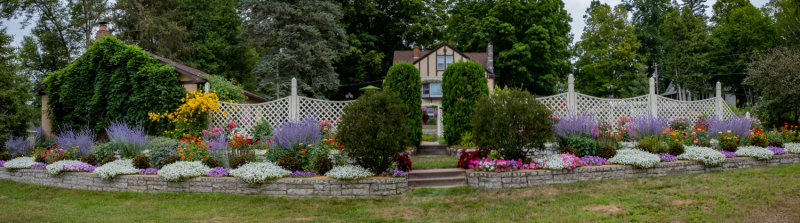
(676, 149)
(170, 160)
(429, 138)
(262, 131)
(210, 162)
(274, 153)
(126, 150)
(5, 156)
(289, 162)
(511, 121)
(570, 150)
(322, 164)
(607, 151)
(759, 141)
(374, 129)
(104, 150)
(141, 161)
(463, 83)
(90, 159)
(776, 143)
(108, 159)
(652, 144)
(161, 147)
(706, 144)
(226, 91)
(238, 161)
(730, 147)
(585, 145)
(467, 140)
(403, 80)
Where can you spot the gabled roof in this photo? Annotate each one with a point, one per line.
(408, 56)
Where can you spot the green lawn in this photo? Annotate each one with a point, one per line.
(433, 162)
(770, 194)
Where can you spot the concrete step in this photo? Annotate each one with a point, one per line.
(431, 152)
(437, 182)
(437, 173)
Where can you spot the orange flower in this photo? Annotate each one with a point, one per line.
(303, 152)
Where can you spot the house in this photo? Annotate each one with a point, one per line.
(432, 63)
(674, 91)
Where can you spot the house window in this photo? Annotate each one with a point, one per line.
(443, 61)
(432, 90)
(426, 90)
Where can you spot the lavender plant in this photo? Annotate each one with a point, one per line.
(647, 125)
(18, 145)
(583, 124)
(306, 131)
(218, 148)
(128, 141)
(738, 125)
(727, 154)
(71, 140)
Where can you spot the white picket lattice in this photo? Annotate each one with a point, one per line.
(323, 110)
(611, 110)
(556, 103)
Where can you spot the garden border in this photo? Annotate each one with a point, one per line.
(530, 178)
(290, 187)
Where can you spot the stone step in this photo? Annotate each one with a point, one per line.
(437, 173)
(438, 182)
(431, 152)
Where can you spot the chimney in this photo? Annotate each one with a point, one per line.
(490, 57)
(416, 52)
(103, 30)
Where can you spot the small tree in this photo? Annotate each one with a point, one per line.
(403, 80)
(15, 93)
(462, 85)
(774, 76)
(374, 129)
(511, 121)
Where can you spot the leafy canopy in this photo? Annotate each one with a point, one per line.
(403, 80)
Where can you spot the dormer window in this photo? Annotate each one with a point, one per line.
(443, 61)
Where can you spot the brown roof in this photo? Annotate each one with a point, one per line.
(408, 56)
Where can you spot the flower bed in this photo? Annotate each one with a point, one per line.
(708, 156)
(755, 151)
(636, 158)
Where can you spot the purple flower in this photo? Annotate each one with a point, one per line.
(394, 173)
(148, 171)
(666, 157)
(219, 172)
(738, 125)
(122, 132)
(306, 131)
(300, 173)
(38, 166)
(647, 125)
(18, 145)
(79, 167)
(594, 161)
(777, 150)
(583, 123)
(2, 163)
(727, 154)
(82, 140)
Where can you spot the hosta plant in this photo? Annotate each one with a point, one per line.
(755, 151)
(708, 156)
(20, 163)
(261, 172)
(636, 158)
(68, 166)
(118, 167)
(792, 147)
(183, 170)
(348, 172)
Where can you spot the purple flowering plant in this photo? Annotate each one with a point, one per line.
(647, 125)
(394, 173)
(38, 166)
(131, 140)
(777, 150)
(148, 171)
(18, 145)
(79, 167)
(219, 172)
(594, 161)
(81, 141)
(306, 131)
(737, 125)
(303, 174)
(2, 163)
(584, 124)
(666, 157)
(500, 165)
(727, 154)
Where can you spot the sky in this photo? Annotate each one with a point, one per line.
(576, 9)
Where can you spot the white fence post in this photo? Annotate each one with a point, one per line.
(718, 109)
(747, 114)
(651, 99)
(294, 102)
(439, 126)
(572, 104)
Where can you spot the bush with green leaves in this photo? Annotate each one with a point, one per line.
(511, 121)
(15, 94)
(141, 161)
(226, 91)
(112, 81)
(160, 148)
(676, 149)
(374, 129)
(607, 151)
(262, 131)
(322, 164)
(108, 159)
(404, 81)
(652, 144)
(289, 162)
(463, 83)
(585, 145)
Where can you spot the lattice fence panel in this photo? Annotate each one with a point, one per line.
(249, 115)
(556, 103)
(610, 110)
(671, 108)
(321, 109)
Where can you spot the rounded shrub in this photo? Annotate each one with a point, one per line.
(170, 160)
(262, 131)
(730, 147)
(652, 144)
(5, 156)
(210, 162)
(238, 161)
(226, 90)
(676, 149)
(585, 145)
(103, 150)
(289, 162)
(463, 83)
(776, 143)
(108, 159)
(90, 159)
(706, 144)
(160, 148)
(403, 80)
(141, 161)
(759, 141)
(322, 164)
(607, 151)
(570, 150)
(511, 121)
(374, 129)
(403, 162)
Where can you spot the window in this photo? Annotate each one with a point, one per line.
(426, 90)
(443, 61)
(432, 90)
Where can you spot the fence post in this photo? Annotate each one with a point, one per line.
(718, 109)
(294, 102)
(439, 126)
(747, 115)
(651, 98)
(572, 104)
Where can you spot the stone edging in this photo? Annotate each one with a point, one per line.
(292, 187)
(529, 178)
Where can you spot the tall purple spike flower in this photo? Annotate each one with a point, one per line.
(737, 124)
(122, 132)
(82, 140)
(583, 123)
(646, 125)
(18, 145)
(306, 131)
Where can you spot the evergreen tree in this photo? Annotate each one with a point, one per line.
(698, 7)
(15, 113)
(647, 16)
(686, 48)
(403, 80)
(787, 20)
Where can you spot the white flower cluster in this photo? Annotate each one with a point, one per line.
(259, 172)
(553, 162)
(55, 168)
(792, 147)
(116, 168)
(181, 170)
(20, 163)
(754, 151)
(708, 156)
(636, 158)
(348, 172)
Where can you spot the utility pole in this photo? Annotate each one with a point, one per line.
(655, 77)
(277, 71)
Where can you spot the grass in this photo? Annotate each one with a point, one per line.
(765, 194)
(433, 162)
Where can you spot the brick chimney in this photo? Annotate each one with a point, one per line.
(490, 57)
(103, 30)
(416, 52)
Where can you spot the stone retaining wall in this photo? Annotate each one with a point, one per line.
(529, 178)
(293, 187)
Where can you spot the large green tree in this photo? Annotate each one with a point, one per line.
(15, 113)
(607, 59)
(686, 49)
(647, 16)
(299, 39)
(403, 79)
(787, 20)
(774, 76)
(530, 39)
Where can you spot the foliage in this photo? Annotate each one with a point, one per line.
(191, 117)
(776, 143)
(289, 162)
(708, 156)
(262, 131)
(159, 148)
(239, 161)
(730, 146)
(127, 141)
(256, 173)
(403, 80)
(102, 150)
(192, 149)
(322, 164)
(666, 157)
(349, 172)
(531, 52)
(90, 159)
(15, 94)
(225, 90)
(705, 144)
(98, 87)
(5, 156)
(115, 168)
(500, 165)
(374, 129)
(403, 162)
(18, 145)
(467, 140)
(309, 50)
(608, 62)
(647, 16)
(787, 25)
(141, 161)
(170, 160)
(607, 151)
(182, 170)
(594, 161)
(51, 155)
(108, 159)
(561, 161)
(511, 121)
(686, 51)
(19, 163)
(636, 158)
(755, 151)
(676, 149)
(781, 64)
(463, 83)
(210, 162)
(652, 144)
(585, 146)
(305, 131)
(468, 156)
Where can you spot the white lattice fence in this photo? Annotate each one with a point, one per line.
(556, 103)
(321, 109)
(611, 110)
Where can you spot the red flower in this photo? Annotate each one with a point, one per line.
(303, 152)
